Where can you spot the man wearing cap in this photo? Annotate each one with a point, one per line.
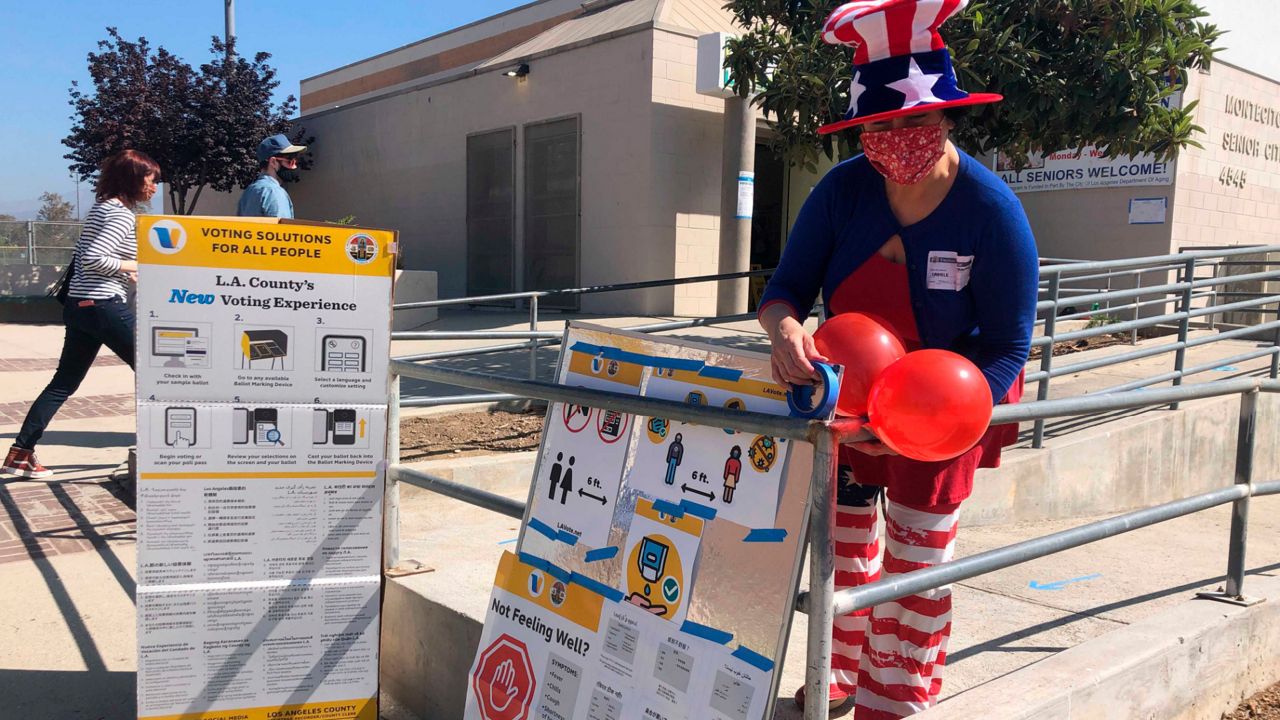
(266, 196)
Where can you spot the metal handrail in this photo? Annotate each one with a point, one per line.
(821, 601)
(1192, 298)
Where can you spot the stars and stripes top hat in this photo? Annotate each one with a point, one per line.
(901, 66)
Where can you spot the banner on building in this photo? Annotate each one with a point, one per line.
(262, 390)
(608, 610)
(1087, 168)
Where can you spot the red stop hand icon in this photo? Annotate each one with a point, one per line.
(503, 681)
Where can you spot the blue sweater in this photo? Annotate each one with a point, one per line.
(988, 319)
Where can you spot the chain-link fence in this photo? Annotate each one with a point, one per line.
(35, 242)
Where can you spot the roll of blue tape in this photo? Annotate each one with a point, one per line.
(812, 401)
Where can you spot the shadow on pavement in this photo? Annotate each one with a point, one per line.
(82, 439)
(997, 644)
(67, 694)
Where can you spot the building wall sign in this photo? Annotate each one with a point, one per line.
(1245, 144)
(1087, 168)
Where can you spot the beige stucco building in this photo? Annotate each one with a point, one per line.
(563, 144)
(600, 165)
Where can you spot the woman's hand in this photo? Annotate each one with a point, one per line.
(792, 348)
(129, 268)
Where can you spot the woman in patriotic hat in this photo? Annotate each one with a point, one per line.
(867, 238)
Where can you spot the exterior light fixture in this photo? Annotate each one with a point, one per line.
(518, 71)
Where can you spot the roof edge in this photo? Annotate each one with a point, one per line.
(415, 43)
(482, 69)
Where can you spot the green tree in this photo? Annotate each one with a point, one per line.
(55, 208)
(1073, 73)
(201, 125)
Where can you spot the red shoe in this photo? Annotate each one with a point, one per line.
(835, 698)
(23, 463)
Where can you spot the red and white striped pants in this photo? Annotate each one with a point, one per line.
(890, 657)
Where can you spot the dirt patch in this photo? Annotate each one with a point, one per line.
(1075, 346)
(469, 433)
(1263, 706)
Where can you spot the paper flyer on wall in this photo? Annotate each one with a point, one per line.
(537, 649)
(580, 468)
(554, 648)
(262, 386)
(660, 561)
(736, 474)
(234, 651)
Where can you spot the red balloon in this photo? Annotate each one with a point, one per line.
(930, 405)
(864, 346)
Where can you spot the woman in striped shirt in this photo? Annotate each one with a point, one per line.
(96, 311)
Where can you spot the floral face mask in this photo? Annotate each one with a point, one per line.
(904, 155)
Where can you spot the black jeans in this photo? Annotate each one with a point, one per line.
(106, 322)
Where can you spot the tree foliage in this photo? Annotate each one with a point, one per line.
(201, 125)
(1073, 73)
(55, 208)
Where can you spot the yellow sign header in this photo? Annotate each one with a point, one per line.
(571, 601)
(264, 244)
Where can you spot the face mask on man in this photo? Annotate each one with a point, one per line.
(284, 172)
(905, 155)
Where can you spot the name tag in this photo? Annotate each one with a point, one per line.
(948, 271)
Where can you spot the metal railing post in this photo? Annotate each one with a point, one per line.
(1046, 355)
(1275, 357)
(31, 242)
(1275, 341)
(1184, 325)
(391, 485)
(1240, 508)
(822, 576)
(533, 342)
(1137, 308)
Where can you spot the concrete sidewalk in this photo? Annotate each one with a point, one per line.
(67, 554)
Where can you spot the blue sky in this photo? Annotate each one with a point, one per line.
(43, 46)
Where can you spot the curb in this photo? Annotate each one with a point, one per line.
(1194, 662)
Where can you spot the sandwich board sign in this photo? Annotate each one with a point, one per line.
(262, 391)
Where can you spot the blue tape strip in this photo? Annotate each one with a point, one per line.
(719, 373)
(598, 587)
(805, 401)
(613, 353)
(567, 538)
(769, 535)
(698, 510)
(706, 632)
(666, 363)
(558, 572)
(533, 561)
(668, 508)
(540, 527)
(546, 566)
(603, 553)
(753, 659)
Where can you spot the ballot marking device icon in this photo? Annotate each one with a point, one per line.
(266, 345)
